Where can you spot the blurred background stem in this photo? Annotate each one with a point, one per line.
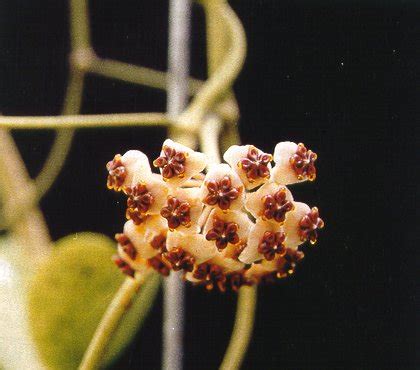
(16, 188)
(79, 55)
(177, 99)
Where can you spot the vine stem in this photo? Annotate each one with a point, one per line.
(84, 121)
(80, 42)
(219, 83)
(16, 187)
(247, 296)
(177, 99)
(242, 330)
(217, 44)
(110, 320)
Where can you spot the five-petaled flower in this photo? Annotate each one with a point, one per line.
(236, 225)
(177, 213)
(223, 233)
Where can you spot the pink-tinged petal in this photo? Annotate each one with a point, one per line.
(294, 163)
(195, 244)
(231, 226)
(291, 226)
(250, 163)
(272, 202)
(141, 236)
(222, 188)
(185, 211)
(178, 163)
(250, 253)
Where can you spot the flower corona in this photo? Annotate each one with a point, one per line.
(237, 225)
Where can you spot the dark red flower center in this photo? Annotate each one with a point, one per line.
(159, 242)
(134, 215)
(272, 243)
(177, 212)
(180, 259)
(116, 173)
(126, 245)
(123, 266)
(159, 265)
(210, 275)
(139, 197)
(276, 206)
(309, 225)
(303, 163)
(255, 164)
(223, 233)
(171, 162)
(221, 193)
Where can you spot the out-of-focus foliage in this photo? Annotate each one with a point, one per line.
(70, 293)
(16, 347)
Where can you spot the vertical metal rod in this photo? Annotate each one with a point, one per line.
(178, 73)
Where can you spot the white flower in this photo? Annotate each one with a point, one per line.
(122, 169)
(196, 245)
(302, 225)
(222, 188)
(178, 163)
(146, 196)
(227, 228)
(294, 163)
(182, 210)
(251, 164)
(142, 236)
(235, 226)
(266, 240)
(271, 202)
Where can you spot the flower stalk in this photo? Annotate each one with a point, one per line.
(242, 329)
(109, 323)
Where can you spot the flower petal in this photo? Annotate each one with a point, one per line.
(250, 253)
(178, 163)
(195, 244)
(291, 226)
(251, 164)
(232, 217)
(256, 202)
(222, 188)
(142, 235)
(135, 162)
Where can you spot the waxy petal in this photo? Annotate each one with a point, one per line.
(195, 244)
(251, 164)
(141, 236)
(250, 253)
(257, 203)
(178, 163)
(293, 163)
(222, 188)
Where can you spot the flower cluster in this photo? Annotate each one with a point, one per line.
(236, 225)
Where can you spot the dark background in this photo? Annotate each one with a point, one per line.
(338, 76)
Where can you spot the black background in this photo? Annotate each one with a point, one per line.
(338, 76)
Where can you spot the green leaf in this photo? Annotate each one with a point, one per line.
(70, 293)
